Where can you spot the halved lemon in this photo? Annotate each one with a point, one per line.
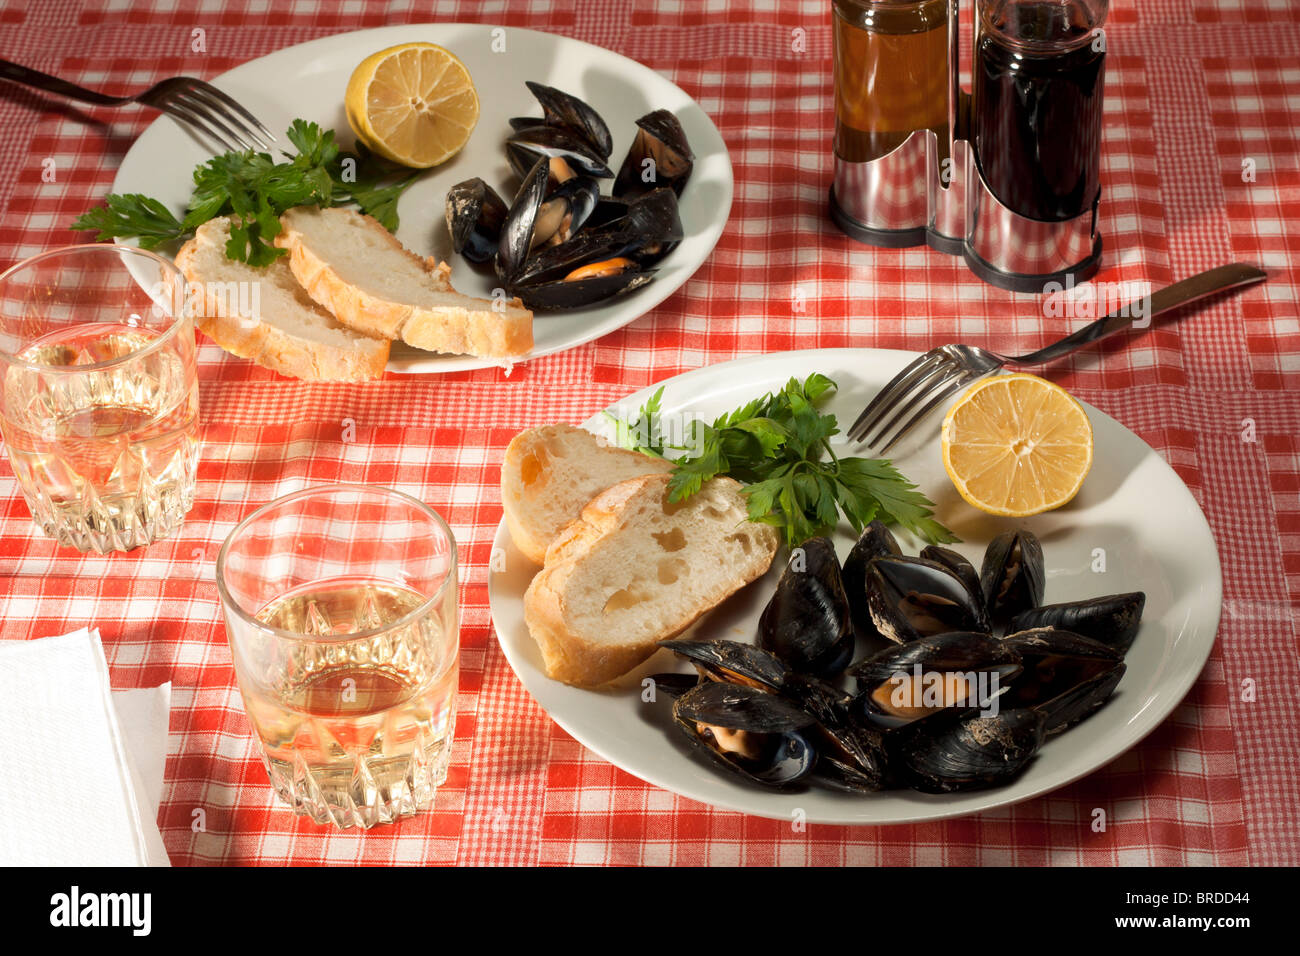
(1017, 445)
(413, 103)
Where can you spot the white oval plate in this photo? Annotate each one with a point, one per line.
(1133, 513)
(308, 81)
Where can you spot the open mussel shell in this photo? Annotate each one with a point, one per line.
(567, 111)
(732, 662)
(910, 598)
(954, 751)
(578, 293)
(1066, 676)
(659, 156)
(556, 142)
(806, 624)
(876, 541)
(475, 215)
(957, 564)
(1112, 620)
(672, 685)
(1013, 576)
(564, 210)
(938, 672)
(516, 238)
(750, 731)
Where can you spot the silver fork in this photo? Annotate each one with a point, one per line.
(941, 372)
(187, 98)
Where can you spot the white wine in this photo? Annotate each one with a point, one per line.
(106, 457)
(356, 726)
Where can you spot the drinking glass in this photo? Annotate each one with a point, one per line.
(99, 404)
(340, 608)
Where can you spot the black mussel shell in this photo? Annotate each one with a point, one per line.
(559, 170)
(806, 623)
(672, 685)
(824, 700)
(1066, 676)
(524, 122)
(567, 111)
(957, 564)
(957, 669)
(909, 598)
(1113, 620)
(610, 209)
(578, 293)
(564, 211)
(475, 215)
(659, 156)
(753, 733)
(1013, 576)
(876, 541)
(517, 231)
(952, 751)
(556, 141)
(732, 662)
(851, 758)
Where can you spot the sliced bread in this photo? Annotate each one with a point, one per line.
(635, 569)
(263, 314)
(359, 271)
(550, 474)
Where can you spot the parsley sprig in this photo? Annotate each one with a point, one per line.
(253, 189)
(779, 447)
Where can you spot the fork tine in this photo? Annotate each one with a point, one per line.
(224, 107)
(889, 396)
(921, 388)
(959, 383)
(212, 116)
(222, 97)
(188, 116)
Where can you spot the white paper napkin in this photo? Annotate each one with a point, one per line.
(74, 791)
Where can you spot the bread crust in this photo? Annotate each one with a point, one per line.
(484, 332)
(568, 656)
(273, 347)
(528, 536)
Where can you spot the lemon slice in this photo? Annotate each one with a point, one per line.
(413, 103)
(1017, 445)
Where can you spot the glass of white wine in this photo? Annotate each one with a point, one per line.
(341, 611)
(99, 406)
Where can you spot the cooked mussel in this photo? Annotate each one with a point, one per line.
(1113, 620)
(673, 685)
(753, 733)
(1066, 676)
(806, 624)
(909, 598)
(957, 564)
(851, 757)
(516, 238)
(1013, 576)
(587, 285)
(951, 750)
(555, 142)
(567, 111)
(876, 541)
(659, 156)
(732, 662)
(475, 215)
(941, 671)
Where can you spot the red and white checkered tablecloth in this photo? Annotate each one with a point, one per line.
(1194, 87)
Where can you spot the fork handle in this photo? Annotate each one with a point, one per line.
(1219, 279)
(52, 84)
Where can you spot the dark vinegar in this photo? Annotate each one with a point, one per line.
(1036, 115)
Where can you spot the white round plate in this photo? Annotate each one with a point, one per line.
(308, 81)
(1134, 517)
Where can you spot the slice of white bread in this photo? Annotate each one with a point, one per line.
(549, 474)
(359, 271)
(635, 569)
(287, 331)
